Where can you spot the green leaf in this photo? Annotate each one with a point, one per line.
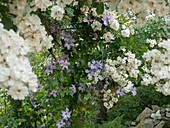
(116, 123)
(59, 41)
(45, 14)
(70, 11)
(74, 49)
(62, 93)
(81, 3)
(100, 8)
(6, 21)
(2, 119)
(15, 124)
(54, 82)
(21, 120)
(83, 62)
(3, 9)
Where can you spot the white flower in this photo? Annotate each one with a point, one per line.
(32, 83)
(123, 26)
(105, 104)
(152, 42)
(4, 73)
(101, 77)
(165, 58)
(132, 31)
(125, 33)
(47, 42)
(165, 44)
(111, 104)
(63, 3)
(154, 80)
(18, 91)
(22, 69)
(123, 49)
(108, 91)
(85, 9)
(94, 13)
(163, 74)
(42, 4)
(11, 42)
(114, 25)
(19, 7)
(115, 100)
(127, 88)
(96, 26)
(108, 36)
(105, 95)
(89, 1)
(57, 12)
(166, 88)
(75, 3)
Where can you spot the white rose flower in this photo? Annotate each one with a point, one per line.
(4, 73)
(57, 12)
(105, 104)
(125, 33)
(114, 25)
(32, 83)
(42, 4)
(108, 36)
(166, 88)
(108, 91)
(96, 25)
(18, 91)
(123, 26)
(63, 3)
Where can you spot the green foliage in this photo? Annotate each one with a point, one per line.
(70, 11)
(131, 106)
(116, 123)
(6, 18)
(44, 110)
(100, 8)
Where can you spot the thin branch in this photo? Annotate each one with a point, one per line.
(44, 21)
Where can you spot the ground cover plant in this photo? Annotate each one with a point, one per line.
(82, 63)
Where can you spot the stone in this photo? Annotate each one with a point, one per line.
(168, 114)
(165, 118)
(167, 109)
(155, 122)
(156, 115)
(133, 123)
(160, 125)
(163, 110)
(148, 123)
(155, 108)
(163, 114)
(145, 113)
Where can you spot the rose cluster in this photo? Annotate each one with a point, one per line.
(29, 26)
(157, 67)
(16, 72)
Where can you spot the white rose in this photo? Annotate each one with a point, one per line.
(125, 33)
